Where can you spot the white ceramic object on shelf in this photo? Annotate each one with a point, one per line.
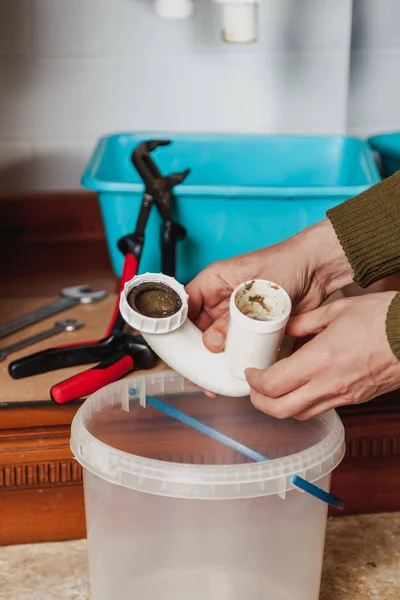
(239, 20)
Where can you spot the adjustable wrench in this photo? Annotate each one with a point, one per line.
(68, 297)
(59, 326)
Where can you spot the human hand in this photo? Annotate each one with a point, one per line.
(349, 361)
(309, 266)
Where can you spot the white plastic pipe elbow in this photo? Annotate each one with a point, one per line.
(259, 311)
(239, 20)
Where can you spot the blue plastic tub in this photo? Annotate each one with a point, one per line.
(244, 191)
(387, 145)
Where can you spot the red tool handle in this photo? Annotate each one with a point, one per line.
(131, 264)
(88, 382)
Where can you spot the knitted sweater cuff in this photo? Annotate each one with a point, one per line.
(393, 325)
(368, 228)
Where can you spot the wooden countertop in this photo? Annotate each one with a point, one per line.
(95, 316)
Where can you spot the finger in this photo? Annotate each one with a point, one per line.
(320, 408)
(313, 321)
(208, 287)
(208, 315)
(206, 392)
(203, 320)
(292, 372)
(292, 404)
(214, 337)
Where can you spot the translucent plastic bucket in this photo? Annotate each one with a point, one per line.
(175, 515)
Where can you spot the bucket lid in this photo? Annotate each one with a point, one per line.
(119, 438)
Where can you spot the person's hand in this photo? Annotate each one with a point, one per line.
(309, 266)
(349, 361)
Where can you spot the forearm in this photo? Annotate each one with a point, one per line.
(329, 264)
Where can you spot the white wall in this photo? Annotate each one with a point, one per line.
(71, 70)
(374, 94)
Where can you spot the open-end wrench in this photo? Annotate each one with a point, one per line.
(59, 326)
(68, 297)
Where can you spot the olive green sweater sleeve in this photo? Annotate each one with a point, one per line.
(368, 228)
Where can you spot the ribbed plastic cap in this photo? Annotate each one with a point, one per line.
(150, 324)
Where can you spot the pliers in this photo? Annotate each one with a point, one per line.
(119, 351)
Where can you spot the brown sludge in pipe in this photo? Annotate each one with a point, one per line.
(253, 305)
(155, 300)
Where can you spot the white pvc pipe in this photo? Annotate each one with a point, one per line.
(239, 20)
(259, 311)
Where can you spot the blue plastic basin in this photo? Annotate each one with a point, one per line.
(387, 145)
(244, 191)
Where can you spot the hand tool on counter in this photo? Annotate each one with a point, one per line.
(119, 351)
(68, 297)
(74, 355)
(59, 327)
(119, 354)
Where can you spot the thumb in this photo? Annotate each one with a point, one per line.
(255, 379)
(214, 337)
(312, 322)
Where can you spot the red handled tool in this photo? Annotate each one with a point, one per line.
(119, 352)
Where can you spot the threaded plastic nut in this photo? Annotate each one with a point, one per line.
(146, 324)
